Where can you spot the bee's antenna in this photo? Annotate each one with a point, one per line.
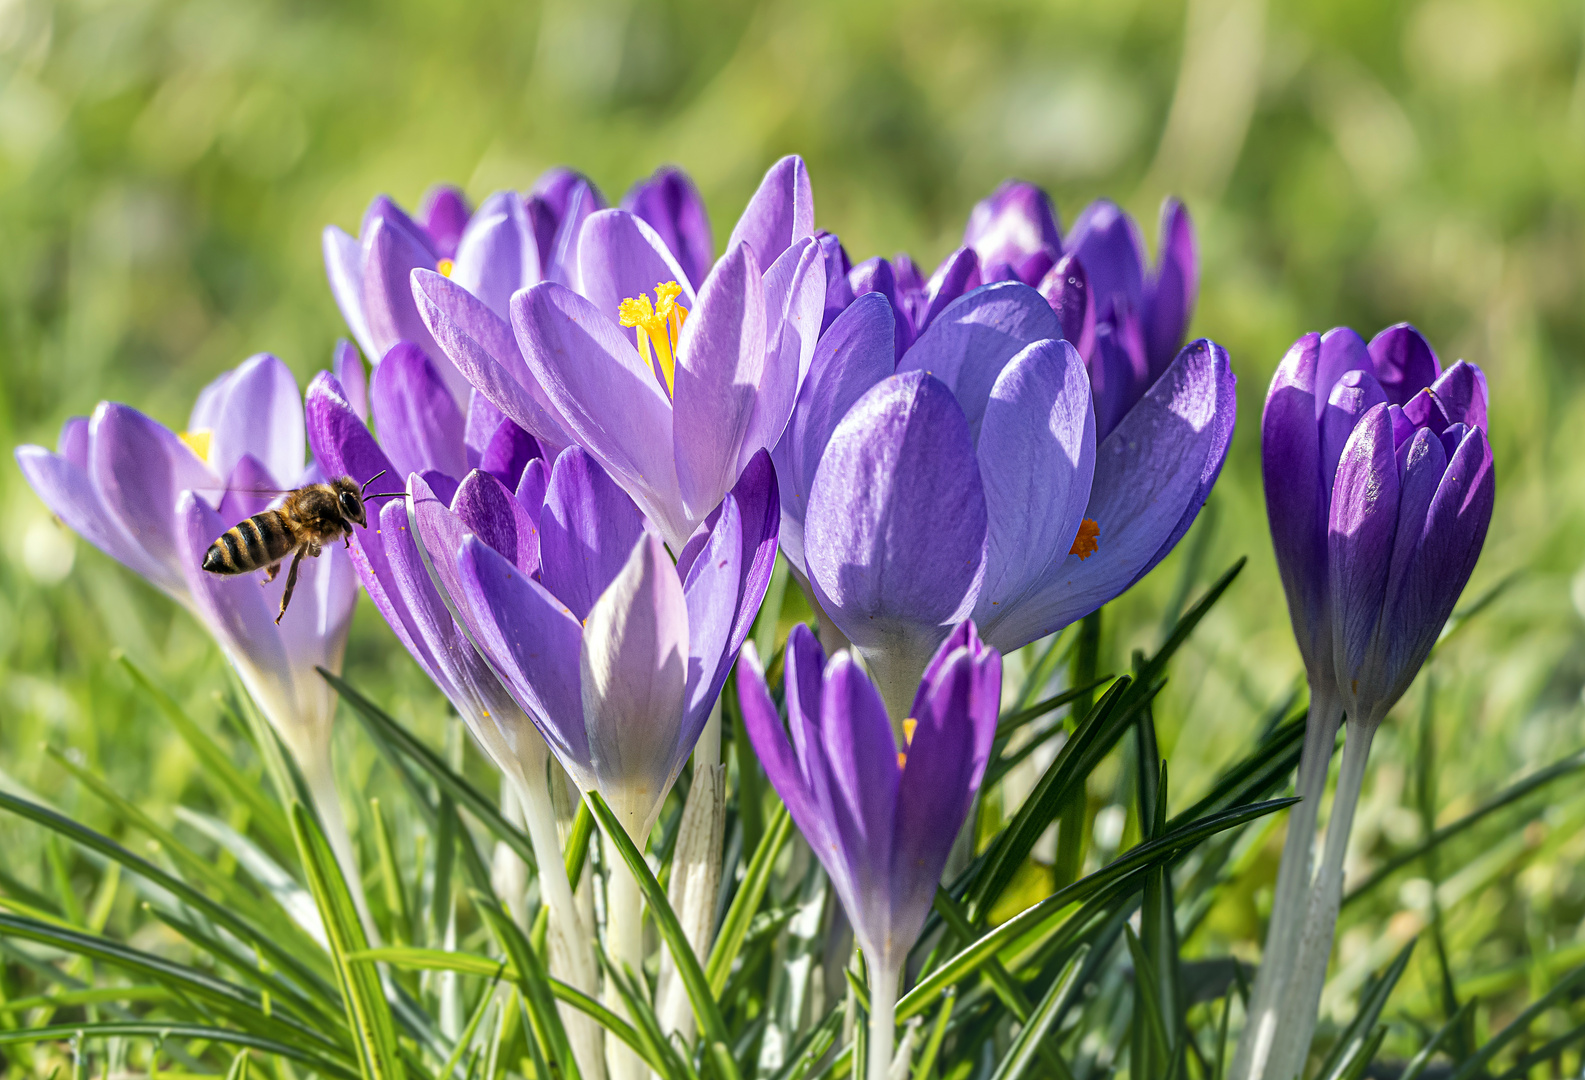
(371, 480)
(387, 495)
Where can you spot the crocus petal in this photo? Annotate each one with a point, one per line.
(852, 356)
(508, 454)
(720, 360)
(1107, 241)
(73, 442)
(1421, 463)
(970, 342)
(498, 254)
(1296, 498)
(420, 425)
(390, 257)
(137, 468)
(781, 212)
(491, 512)
(533, 642)
(775, 753)
(1350, 398)
(875, 275)
(1067, 290)
(582, 200)
(1460, 394)
(1364, 520)
(1037, 457)
(483, 348)
(671, 205)
(533, 484)
(344, 268)
(634, 670)
(259, 412)
(483, 420)
(794, 303)
(406, 595)
(1148, 474)
(66, 489)
(1014, 223)
(958, 273)
(235, 609)
(249, 489)
(620, 257)
(347, 366)
(839, 293)
(1118, 375)
(1404, 362)
(588, 528)
(1172, 288)
(895, 535)
(444, 213)
(1342, 351)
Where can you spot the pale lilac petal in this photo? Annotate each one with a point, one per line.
(73, 442)
(970, 342)
(484, 349)
(672, 206)
(498, 253)
(344, 268)
(206, 406)
(634, 671)
(508, 454)
(1014, 224)
(1404, 362)
(444, 213)
(621, 257)
(419, 423)
(1363, 523)
(239, 613)
(406, 595)
(720, 361)
(1173, 286)
(249, 489)
(588, 529)
(1037, 458)
(769, 739)
(489, 510)
(606, 395)
(895, 533)
(532, 486)
(839, 293)
(347, 366)
(66, 489)
(794, 331)
(581, 199)
(390, 257)
(259, 412)
(876, 275)
(483, 421)
(850, 357)
(781, 213)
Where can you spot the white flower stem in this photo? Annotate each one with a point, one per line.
(1253, 1058)
(883, 1022)
(1298, 1011)
(570, 955)
(320, 777)
(624, 937)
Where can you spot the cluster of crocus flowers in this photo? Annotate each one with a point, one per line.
(154, 500)
(1379, 490)
(879, 812)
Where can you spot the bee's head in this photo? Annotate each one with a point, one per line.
(350, 501)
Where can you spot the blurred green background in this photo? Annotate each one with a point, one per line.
(166, 168)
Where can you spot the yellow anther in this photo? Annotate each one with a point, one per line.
(910, 725)
(198, 442)
(902, 759)
(659, 325)
(444, 267)
(1088, 540)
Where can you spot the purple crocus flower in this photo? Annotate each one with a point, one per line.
(510, 242)
(881, 818)
(971, 480)
(673, 397)
(154, 501)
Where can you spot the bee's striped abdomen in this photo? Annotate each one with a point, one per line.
(260, 541)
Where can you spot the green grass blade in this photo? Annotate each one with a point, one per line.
(1520, 1025)
(1023, 1053)
(368, 1013)
(938, 1033)
(1352, 1043)
(656, 1050)
(705, 1009)
(533, 983)
(167, 1031)
(1422, 1060)
(751, 891)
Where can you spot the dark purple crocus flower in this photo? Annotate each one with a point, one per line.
(673, 396)
(510, 242)
(880, 817)
(1379, 489)
(971, 481)
(1014, 234)
(670, 204)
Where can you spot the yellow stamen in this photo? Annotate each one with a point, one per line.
(659, 325)
(910, 725)
(198, 442)
(444, 267)
(1088, 541)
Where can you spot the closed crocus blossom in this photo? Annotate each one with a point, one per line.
(880, 816)
(970, 482)
(155, 500)
(1379, 491)
(511, 241)
(671, 384)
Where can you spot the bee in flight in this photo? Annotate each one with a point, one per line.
(307, 520)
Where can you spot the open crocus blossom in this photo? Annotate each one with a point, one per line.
(671, 384)
(971, 482)
(1379, 491)
(155, 500)
(880, 817)
(509, 242)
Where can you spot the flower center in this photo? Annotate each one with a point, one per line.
(658, 326)
(444, 267)
(1088, 540)
(910, 725)
(198, 442)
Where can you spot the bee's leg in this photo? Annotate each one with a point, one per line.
(270, 572)
(291, 583)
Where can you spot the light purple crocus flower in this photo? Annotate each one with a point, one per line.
(154, 501)
(880, 817)
(672, 397)
(510, 242)
(970, 482)
(616, 652)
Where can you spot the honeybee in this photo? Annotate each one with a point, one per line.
(307, 520)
